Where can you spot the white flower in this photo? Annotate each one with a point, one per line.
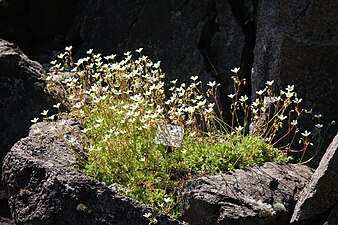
(44, 113)
(294, 122)
(260, 92)
(52, 117)
(211, 84)
(157, 65)
(318, 115)
(167, 200)
(243, 98)
(319, 125)
(255, 103)
(297, 100)
(270, 83)
(239, 128)
(37, 130)
(231, 95)
(69, 48)
(127, 53)
(139, 50)
(306, 133)
(100, 120)
(57, 105)
(290, 88)
(35, 120)
(235, 70)
(194, 78)
(289, 94)
(147, 215)
(282, 117)
(173, 82)
(90, 51)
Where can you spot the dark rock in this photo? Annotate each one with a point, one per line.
(40, 26)
(321, 194)
(22, 94)
(45, 187)
(333, 217)
(189, 37)
(297, 43)
(257, 195)
(6, 221)
(21, 98)
(201, 38)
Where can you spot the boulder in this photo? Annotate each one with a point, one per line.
(297, 43)
(261, 195)
(321, 194)
(22, 98)
(45, 186)
(22, 95)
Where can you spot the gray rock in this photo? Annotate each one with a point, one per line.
(189, 37)
(257, 195)
(22, 94)
(45, 187)
(38, 25)
(6, 221)
(21, 98)
(333, 217)
(321, 194)
(297, 43)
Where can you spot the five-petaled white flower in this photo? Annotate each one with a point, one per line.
(44, 113)
(235, 70)
(319, 125)
(260, 92)
(290, 88)
(35, 120)
(270, 83)
(211, 84)
(139, 50)
(231, 95)
(243, 98)
(306, 133)
(194, 78)
(239, 128)
(294, 122)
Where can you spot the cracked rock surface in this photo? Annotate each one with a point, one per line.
(261, 195)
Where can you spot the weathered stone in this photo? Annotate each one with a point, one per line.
(321, 193)
(297, 43)
(333, 217)
(22, 94)
(6, 221)
(257, 195)
(21, 98)
(189, 37)
(45, 187)
(40, 26)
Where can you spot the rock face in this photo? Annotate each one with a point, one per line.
(321, 194)
(45, 187)
(22, 94)
(261, 195)
(205, 38)
(21, 98)
(39, 26)
(297, 43)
